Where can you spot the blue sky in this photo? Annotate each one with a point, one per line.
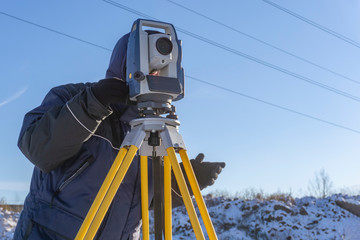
(264, 146)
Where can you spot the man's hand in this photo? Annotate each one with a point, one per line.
(111, 90)
(206, 172)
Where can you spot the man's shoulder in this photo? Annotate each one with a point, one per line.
(74, 87)
(71, 88)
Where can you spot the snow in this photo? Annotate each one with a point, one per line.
(301, 218)
(8, 222)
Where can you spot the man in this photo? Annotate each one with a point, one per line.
(72, 138)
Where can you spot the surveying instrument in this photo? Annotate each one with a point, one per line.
(155, 78)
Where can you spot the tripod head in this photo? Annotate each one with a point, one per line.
(153, 66)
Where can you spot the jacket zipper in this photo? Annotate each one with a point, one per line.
(72, 177)
(68, 181)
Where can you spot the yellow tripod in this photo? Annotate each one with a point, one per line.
(137, 139)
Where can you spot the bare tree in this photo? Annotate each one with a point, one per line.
(3, 200)
(320, 186)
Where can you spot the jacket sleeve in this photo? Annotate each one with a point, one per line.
(56, 130)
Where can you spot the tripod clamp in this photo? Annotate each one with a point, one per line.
(142, 128)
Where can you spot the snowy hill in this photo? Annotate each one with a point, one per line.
(303, 218)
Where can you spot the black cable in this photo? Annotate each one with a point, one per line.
(317, 25)
(207, 83)
(55, 31)
(226, 48)
(273, 104)
(264, 42)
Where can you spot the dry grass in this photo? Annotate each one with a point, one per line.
(252, 194)
(13, 208)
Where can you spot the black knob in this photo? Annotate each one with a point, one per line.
(154, 139)
(139, 76)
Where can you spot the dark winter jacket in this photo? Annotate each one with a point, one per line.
(73, 139)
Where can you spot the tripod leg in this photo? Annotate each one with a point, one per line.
(101, 194)
(144, 196)
(185, 194)
(199, 199)
(158, 199)
(167, 198)
(105, 204)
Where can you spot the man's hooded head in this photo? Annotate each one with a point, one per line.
(117, 65)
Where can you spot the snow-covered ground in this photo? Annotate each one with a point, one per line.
(304, 218)
(8, 222)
